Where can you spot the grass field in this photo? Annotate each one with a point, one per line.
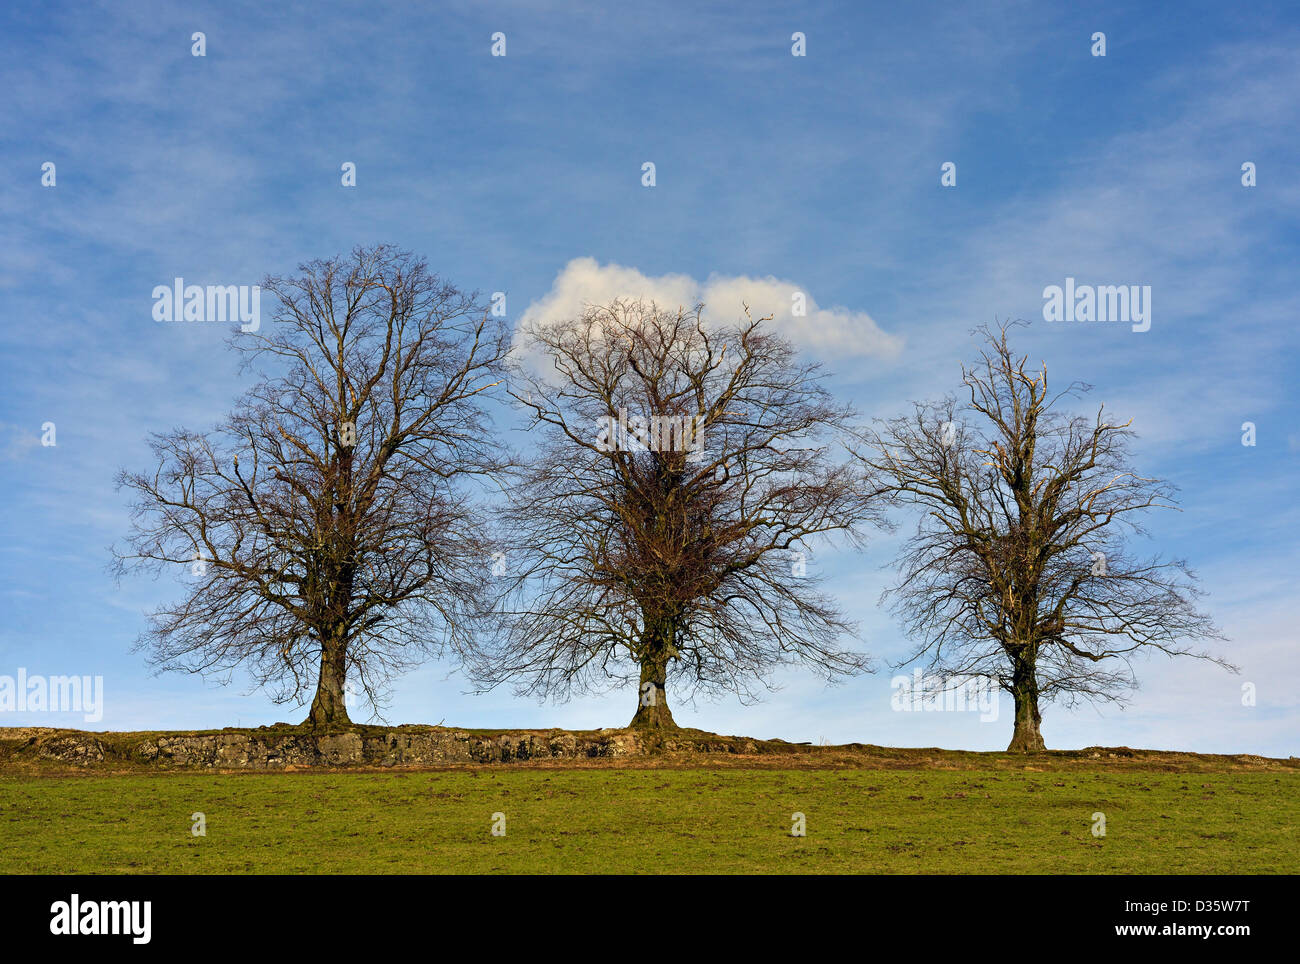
(653, 821)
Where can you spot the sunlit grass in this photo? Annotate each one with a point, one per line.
(649, 821)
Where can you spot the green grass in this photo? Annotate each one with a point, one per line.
(654, 820)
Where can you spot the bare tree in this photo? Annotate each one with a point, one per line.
(657, 533)
(1019, 571)
(326, 519)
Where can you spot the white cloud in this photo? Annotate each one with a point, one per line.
(834, 332)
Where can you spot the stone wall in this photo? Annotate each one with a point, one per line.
(267, 749)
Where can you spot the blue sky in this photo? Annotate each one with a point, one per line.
(523, 173)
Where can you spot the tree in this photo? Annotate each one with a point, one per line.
(657, 533)
(1019, 572)
(327, 518)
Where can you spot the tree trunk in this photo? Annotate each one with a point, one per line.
(329, 708)
(1024, 688)
(652, 698)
